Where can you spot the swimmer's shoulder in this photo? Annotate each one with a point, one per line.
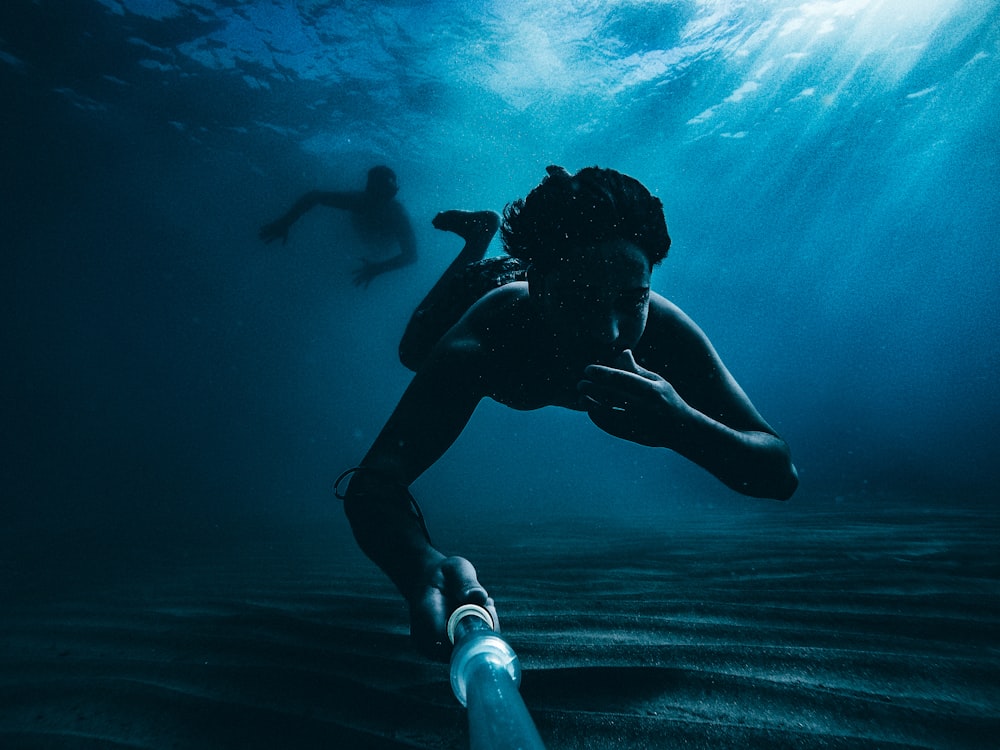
(497, 321)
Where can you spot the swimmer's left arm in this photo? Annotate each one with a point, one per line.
(407, 250)
(707, 418)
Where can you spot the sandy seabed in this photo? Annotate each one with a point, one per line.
(844, 629)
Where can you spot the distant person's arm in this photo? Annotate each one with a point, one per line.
(698, 409)
(407, 251)
(386, 523)
(278, 229)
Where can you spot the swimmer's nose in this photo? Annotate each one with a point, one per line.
(604, 330)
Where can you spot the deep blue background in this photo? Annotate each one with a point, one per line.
(829, 175)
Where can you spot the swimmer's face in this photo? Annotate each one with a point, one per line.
(596, 305)
(382, 184)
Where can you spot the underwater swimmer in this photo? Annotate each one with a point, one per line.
(379, 219)
(568, 319)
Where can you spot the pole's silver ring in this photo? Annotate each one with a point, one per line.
(467, 610)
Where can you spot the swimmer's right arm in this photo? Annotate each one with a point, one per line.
(391, 533)
(435, 407)
(389, 529)
(386, 524)
(278, 229)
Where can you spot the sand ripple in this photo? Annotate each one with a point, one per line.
(816, 634)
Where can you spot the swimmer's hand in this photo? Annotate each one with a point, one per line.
(630, 402)
(276, 230)
(369, 270)
(448, 583)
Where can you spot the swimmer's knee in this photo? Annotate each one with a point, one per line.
(492, 221)
(408, 358)
(411, 352)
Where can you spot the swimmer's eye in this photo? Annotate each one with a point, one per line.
(636, 298)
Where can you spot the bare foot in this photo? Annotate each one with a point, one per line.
(469, 225)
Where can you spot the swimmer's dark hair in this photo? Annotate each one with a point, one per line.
(381, 182)
(381, 173)
(567, 213)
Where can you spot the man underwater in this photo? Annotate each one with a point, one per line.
(377, 216)
(567, 319)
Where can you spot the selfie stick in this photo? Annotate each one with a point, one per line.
(485, 674)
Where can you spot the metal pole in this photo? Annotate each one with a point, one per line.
(485, 674)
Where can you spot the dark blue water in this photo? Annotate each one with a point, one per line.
(828, 174)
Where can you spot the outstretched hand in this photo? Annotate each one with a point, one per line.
(448, 584)
(369, 270)
(630, 402)
(276, 230)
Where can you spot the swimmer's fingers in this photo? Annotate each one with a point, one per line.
(619, 385)
(363, 276)
(462, 586)
(624, 374)
(452, 584)
(274, 231)
(427, 624)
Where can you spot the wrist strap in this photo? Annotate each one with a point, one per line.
(414, 507)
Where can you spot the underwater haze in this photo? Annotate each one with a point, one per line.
(179, 395)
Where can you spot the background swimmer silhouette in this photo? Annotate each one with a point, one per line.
(376, 215)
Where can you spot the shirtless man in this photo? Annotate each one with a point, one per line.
(568, 319)
(377, 216)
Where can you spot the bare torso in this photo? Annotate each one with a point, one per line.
(502, 349)
(520, 367)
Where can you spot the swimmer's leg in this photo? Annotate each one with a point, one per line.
(475, 227)
(448, 299)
